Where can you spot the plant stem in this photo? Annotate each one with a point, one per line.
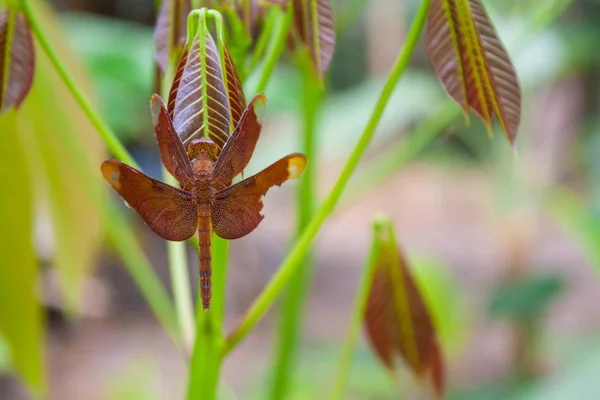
(358, 314)
(112, 142)
(292, 309)
(208, 354)
(400, 153)
(176, 252)
(138, 266)
(294, 259)
(276, 47)
(265, 34)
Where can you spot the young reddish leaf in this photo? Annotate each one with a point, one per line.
(469, 59)
(397, 320)
(235, 90)
(171, 29)
(198, 101)
(17, 58)
(314, 22)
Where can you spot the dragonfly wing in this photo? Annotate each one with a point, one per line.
(171, 213)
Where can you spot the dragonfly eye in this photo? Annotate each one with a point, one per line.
(202, 146)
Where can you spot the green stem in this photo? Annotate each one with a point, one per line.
(138, 266)
(111, 140)
(276, 47)
(292, 309)
(208, 354)
(402, 152)
(294, 259)
(176, 251)
(263, 39)
(358, 314)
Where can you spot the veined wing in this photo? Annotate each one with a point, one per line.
(239, 147)
(172, 152)
(236, 210)
(171, 213)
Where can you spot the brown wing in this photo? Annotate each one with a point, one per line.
(172, 152)
(169, 212)
(239, 147)
(236, 210)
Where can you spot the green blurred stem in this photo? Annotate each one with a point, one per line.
(125, 243)
(111, 140)
(208, 354)
(276, 46)
(356, 321)
(293, 262)
(292, 309)
(263, 39)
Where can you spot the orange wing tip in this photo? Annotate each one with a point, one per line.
(296, 166)
(110, 171)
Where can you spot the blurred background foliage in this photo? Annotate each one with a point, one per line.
(507, 247)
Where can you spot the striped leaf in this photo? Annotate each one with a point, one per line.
(397, 319)
(198, 101)
(470, 60)
(17, 58)
(313, 20)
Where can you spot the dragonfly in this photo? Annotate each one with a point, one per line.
(208, 201)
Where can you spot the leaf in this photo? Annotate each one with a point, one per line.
(235, 90)
(63, 148)
(470, 60)
(170, 30)
(17, 58)
(198, 99)
(314, 23)
(397, 319)
(21, 322)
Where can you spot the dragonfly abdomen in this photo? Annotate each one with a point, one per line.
(205, 259)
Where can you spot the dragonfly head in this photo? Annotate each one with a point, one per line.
(203, 147)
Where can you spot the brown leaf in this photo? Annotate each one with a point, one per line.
(171, 29)
(235, 90)
(17, 58)
(198, 101)
(397, 320)
(470, 60)
(314, 22)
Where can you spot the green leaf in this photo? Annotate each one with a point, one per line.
(470, 60)
(17, 58)
(53, 129)
(21, 323)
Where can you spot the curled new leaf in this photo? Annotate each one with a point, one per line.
(397, 319)
(198, 102)
(314, 22)
(17, 58)
(469, 59)
(170, 30)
